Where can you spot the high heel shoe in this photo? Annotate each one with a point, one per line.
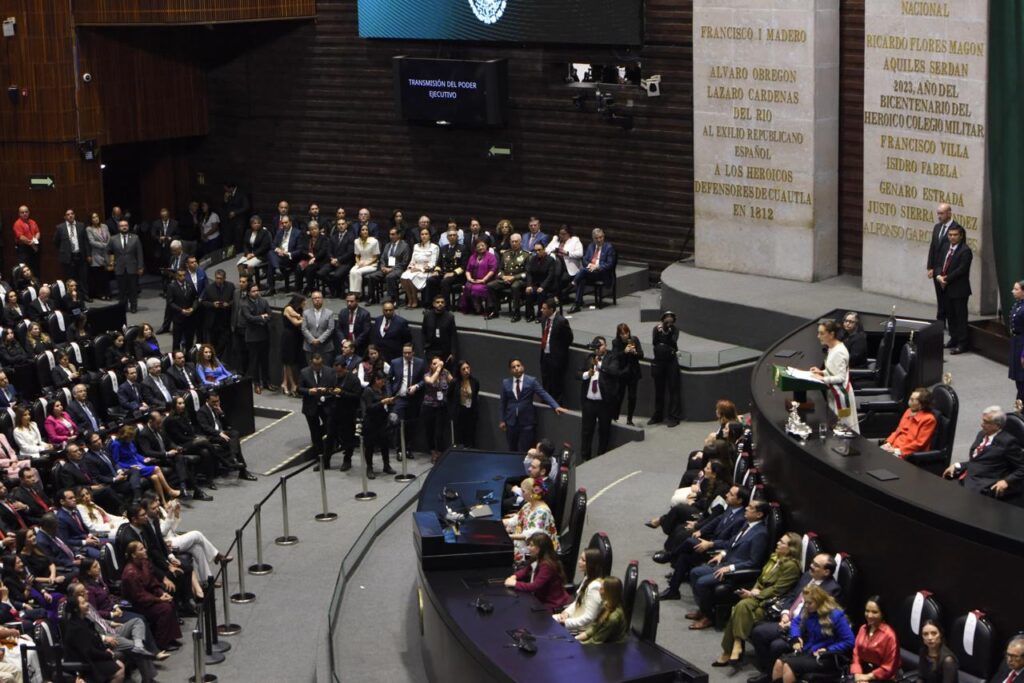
(256, 388)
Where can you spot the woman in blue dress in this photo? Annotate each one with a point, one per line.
(126, 456)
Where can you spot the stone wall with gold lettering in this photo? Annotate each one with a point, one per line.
(765, 124)
(925, 74)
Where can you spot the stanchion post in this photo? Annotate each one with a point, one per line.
(324, 516)
(261, 567)
(199, 674)
(212, 629)
(285, 538)
(226, 628)
(203, 623)
(404, 476)
(242, 596)
(366, 494)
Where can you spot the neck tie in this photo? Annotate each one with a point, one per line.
(981, 447)
(78, 520)
(943, 231)
(949, 257)
(17, 516)
(517, 388)
(188, 379)
(387, 324)
(316, 378)
(124, 242)
(64, 547)
(216, 422)
(1012, 676)
(797, 605)
(85, 474)
(39, 499)
(596, 257)
(740, 535)
(544, 337)
(88, 414)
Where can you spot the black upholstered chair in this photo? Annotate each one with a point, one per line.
(848, 578)
(569, 539)
(629, 585)
(881, 412)
(603, 545)
(646, 614)
(915, 610)
(879, 368)
(810, 546)
(946, 408)
(559, 494)
(973, 631)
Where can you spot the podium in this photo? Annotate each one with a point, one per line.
(786, 380)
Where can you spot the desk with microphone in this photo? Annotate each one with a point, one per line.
(473, 627)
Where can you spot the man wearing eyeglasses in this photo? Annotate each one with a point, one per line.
(770, 638)
(1012, 668)
(995, 463)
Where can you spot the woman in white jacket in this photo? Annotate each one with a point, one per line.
(581, 612)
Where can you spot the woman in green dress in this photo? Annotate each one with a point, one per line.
(779, 574)
(610, 625)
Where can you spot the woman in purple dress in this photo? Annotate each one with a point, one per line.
(482, 268)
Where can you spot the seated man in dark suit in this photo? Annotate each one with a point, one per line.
(129, 393)
(691, 545)
(72, 530)
(212, 424)
(770, 637)
(8, 394)
(174, 573)
(1013, 663)
(181, 374)
(995, 466)
(153, 442)
(83, 412)
(55, 549)
(156, 389)
(30, 492)
(748, 549)
(598, 264)
(10, 513)
(74, 473)
(183, 436)
(127, 484)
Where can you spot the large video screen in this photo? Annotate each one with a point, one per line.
(595, 22)
(452, 91)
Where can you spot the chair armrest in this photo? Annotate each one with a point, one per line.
(742, 578)
(872, 391)
(862, 373)
(933, 461)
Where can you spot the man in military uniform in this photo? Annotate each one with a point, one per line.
(511, 277)
(450, 269)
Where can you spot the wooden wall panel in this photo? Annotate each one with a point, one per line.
(141, 12)
(307, 113)
(38, 59)
(78, 186)
(149, 82)
(851, 136)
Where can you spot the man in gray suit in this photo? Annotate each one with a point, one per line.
(128, 263)
(318, 330)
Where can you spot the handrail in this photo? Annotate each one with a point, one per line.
(360, 547)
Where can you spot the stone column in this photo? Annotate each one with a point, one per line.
(925, 75)
(766, 135)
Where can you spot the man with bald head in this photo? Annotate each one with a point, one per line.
(937, 252)
(26, 239)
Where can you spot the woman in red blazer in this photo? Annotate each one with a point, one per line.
(544, 576)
